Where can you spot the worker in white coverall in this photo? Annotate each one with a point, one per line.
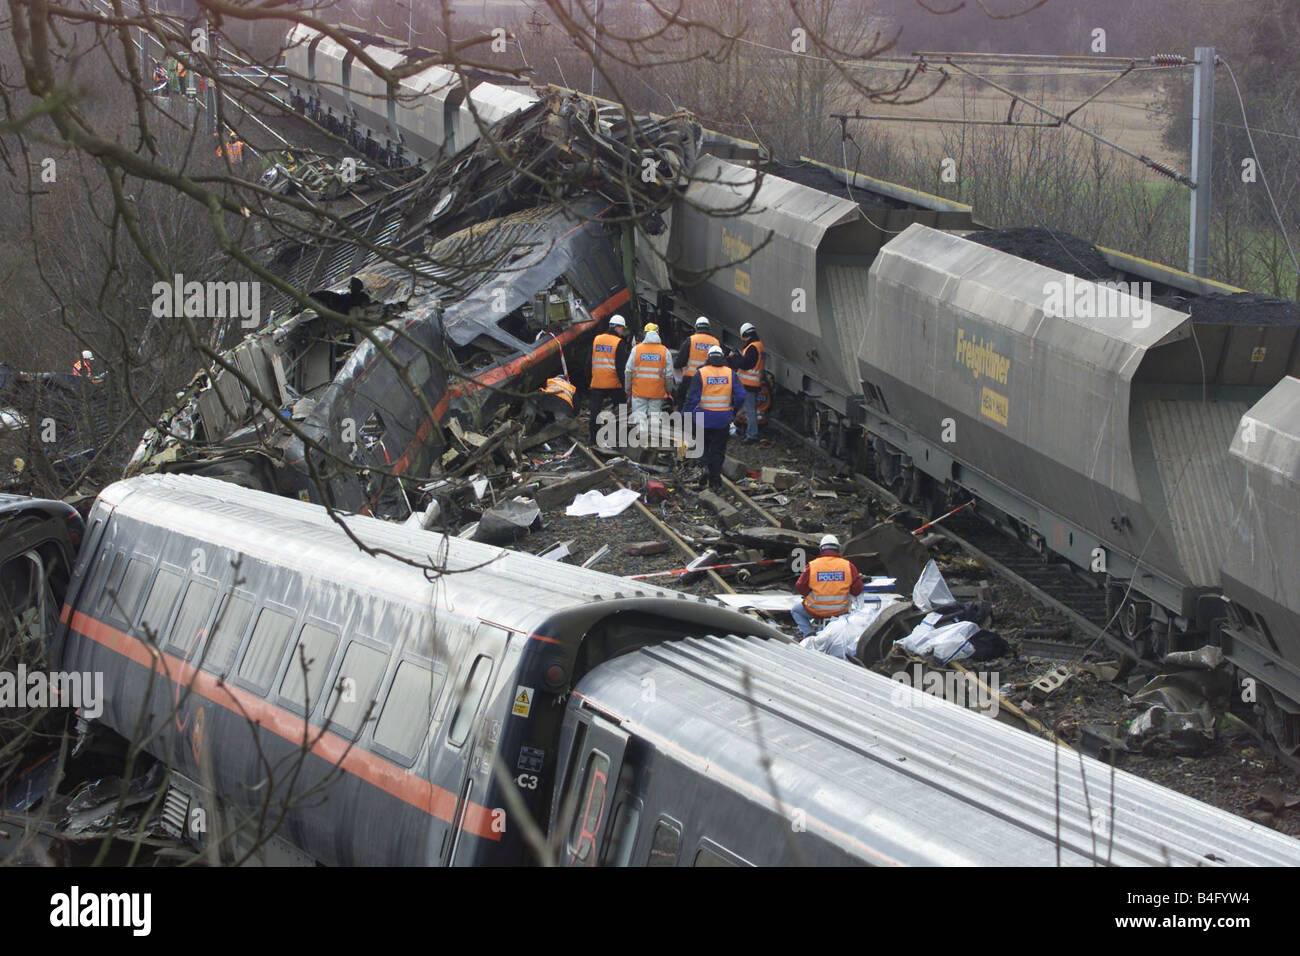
(648, 377)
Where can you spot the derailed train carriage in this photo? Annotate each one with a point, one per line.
(432, 114)
(506, 269)
(949, 368)
(374, 403)
(382, 715)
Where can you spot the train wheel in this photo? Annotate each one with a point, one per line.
(1281, 723)
(1135, 626)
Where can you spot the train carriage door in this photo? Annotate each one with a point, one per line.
(473, 729)
(592, 791)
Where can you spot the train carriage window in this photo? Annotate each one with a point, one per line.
(265, 648)
(112, 583)
(227, 632)
(622, 835)
(123, 597)
(315, 646)
(591, 814)
(467, 704)
(190, 620)
(356, 687)
(666, 845)
(158, 606)
(711, 854)
(404, 721)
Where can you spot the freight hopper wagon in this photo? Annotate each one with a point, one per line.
(1261, 571)
(764, 247)
(1099, 434)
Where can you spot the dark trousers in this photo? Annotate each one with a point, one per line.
(684, 386)
(596, 399)
(715, 452)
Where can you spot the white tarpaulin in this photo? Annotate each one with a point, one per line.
(603, 506)
(931, 590)
(948, 643)
(840, 637)
(766, 601)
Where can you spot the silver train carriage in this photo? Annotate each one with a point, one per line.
(394, 719)
(665, 752)
(434, 113)
(200, 601)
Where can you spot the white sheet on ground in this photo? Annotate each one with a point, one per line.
(604, 506)
(840, 637)
(931, 589)
(948, 643)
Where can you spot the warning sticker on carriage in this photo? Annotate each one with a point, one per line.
(523, 701)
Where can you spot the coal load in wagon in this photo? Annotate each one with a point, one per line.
(1234, 308)
(1049, 247)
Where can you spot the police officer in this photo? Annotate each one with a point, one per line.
(750, 369)
(557, 398)
(608, 354)
(715, 393)
(694, 352)
(648, 375)
(828, 585)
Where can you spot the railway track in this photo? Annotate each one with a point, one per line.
(1082, 604)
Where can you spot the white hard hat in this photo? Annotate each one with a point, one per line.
(87, 355)
(830, 541)
(747, 328)
(617, 320)
(714, 350)
(702, 322)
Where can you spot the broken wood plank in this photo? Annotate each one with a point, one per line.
(506, 430)
(549, 433)
(562, 492)
(727, 514)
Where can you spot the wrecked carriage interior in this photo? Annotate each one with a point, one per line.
(494, 272)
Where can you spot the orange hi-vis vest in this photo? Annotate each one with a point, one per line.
(829, 580)
(558, 386)
(715, 390)
(648, 364)
(603, 372)
(753, 378)
(701, 342)
(80, 367)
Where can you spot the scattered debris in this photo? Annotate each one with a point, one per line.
(645, 548)
(727, 514)
(1050, 683)
(507, 521)
(781, 479)
(1102, 741)
(558, 552)
(554, 495)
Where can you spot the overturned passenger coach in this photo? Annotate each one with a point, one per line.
(351, 691)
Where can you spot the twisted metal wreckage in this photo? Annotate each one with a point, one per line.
(509, 251)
